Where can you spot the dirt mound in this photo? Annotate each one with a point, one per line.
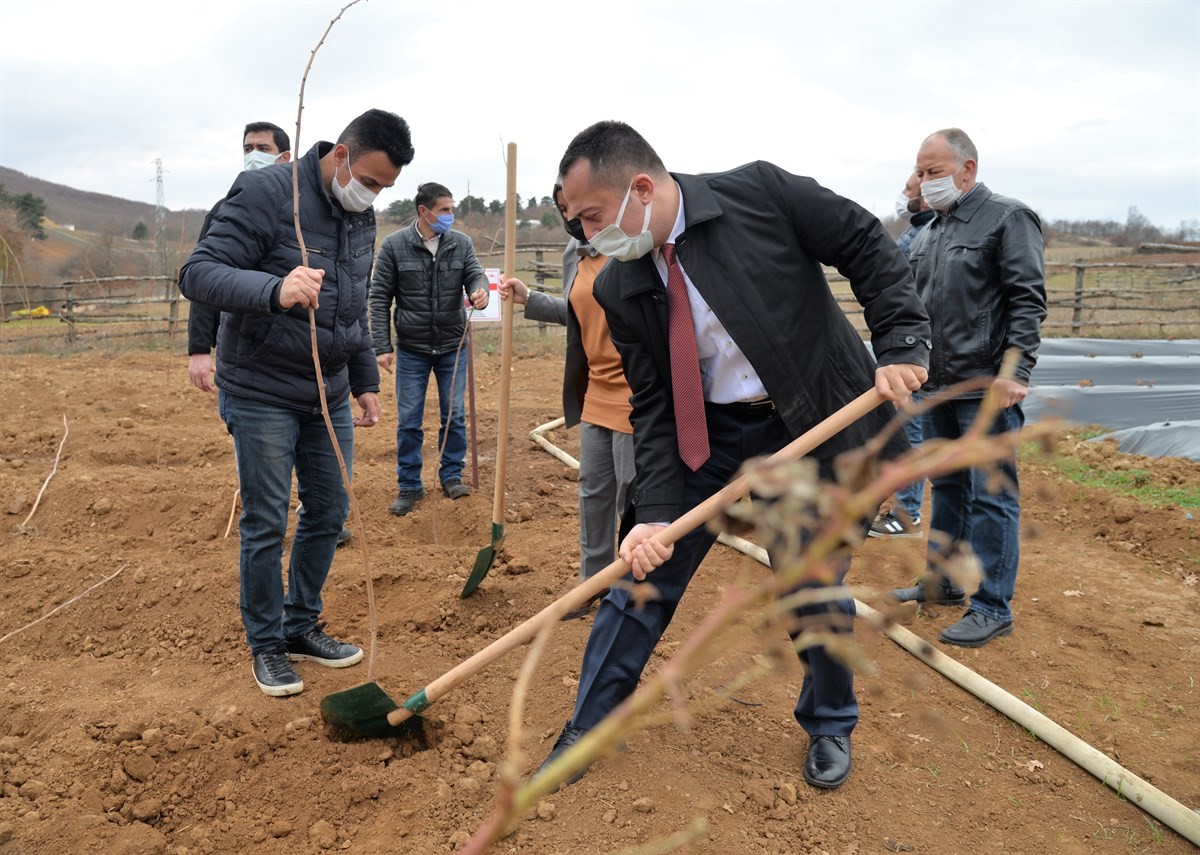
(129, 722)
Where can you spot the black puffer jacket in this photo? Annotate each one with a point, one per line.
(264, 352)
(427, 291)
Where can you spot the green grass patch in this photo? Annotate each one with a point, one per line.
(1137, 483)
(1130, 482)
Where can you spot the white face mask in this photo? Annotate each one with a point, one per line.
(354, 197)
(611, 242)
(258, 159)
(902, 211)
(940, 193)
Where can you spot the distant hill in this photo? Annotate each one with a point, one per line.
(96, 212)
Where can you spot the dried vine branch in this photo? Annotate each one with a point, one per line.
(316, 357)
(45, 483)
(62, 606)
(830, 518)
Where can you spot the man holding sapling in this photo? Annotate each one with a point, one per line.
(979, 269)
(733, 345)
(249, 265)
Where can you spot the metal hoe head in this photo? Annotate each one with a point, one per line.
(484, 561)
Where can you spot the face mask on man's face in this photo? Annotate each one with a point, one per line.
(941, 193)
(902, 211)
(611, 242)
(256, 159)
(575, 229)
(441, 224)
(354, 197)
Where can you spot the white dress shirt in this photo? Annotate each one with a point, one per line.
(725, 372)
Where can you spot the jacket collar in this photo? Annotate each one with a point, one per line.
(700, 206)
(966, 208)
(311, 167)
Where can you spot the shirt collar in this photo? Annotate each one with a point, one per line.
(680, 220)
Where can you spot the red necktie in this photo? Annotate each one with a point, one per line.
(691, 429)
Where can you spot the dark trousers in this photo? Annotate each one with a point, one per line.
(624, 635)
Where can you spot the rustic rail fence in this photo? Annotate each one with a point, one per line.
(1096, 299)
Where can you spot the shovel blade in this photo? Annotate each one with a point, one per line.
(484, 561)
(363, 711)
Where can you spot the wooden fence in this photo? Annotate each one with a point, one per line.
(1103, 300)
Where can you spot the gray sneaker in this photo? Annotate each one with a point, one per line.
(275, 675)
(316, 646)
(890, 525)
(405, 501)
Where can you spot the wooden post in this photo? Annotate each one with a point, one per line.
(1077, 311)
(539, 283)
(173, 309)
(68, 313)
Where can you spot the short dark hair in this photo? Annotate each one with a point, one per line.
(430, 192)
(616, 153)
(279, 134)
(379, 130)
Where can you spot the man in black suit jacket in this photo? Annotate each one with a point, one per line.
(771, 353)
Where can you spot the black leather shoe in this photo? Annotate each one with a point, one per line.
(275, 675)
(828, 763)
(931, 590)
(344, 536)
(316, 646)
(585, 609)
(975, 630)
(455, 489)
(569, 736)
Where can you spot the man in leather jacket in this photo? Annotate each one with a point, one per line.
(979, 271)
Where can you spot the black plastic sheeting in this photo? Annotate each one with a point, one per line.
(1146, 391)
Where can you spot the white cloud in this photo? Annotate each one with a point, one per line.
(1080, 109)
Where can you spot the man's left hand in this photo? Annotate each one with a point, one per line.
(1010, 391)
(479, 298)
(369, 401)
(897, 382)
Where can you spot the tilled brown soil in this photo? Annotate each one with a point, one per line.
(129, 722)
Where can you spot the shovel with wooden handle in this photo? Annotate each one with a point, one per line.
(367, 710)
(487, 556)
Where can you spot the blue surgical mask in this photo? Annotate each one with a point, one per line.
(258, 159)
(610, 241)
(442, 224)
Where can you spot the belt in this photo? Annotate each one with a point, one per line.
(747, 409)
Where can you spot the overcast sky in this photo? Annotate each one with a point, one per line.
(1080, 109)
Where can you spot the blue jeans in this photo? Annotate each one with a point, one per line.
(271, 441)
(965, 511)
(412, 379)
(910, 496)
(625, 632)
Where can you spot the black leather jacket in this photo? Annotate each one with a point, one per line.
(979, 271)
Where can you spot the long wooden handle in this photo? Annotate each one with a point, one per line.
(587, 589)
(506, 324)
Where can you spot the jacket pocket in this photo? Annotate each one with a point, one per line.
(266, 345)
